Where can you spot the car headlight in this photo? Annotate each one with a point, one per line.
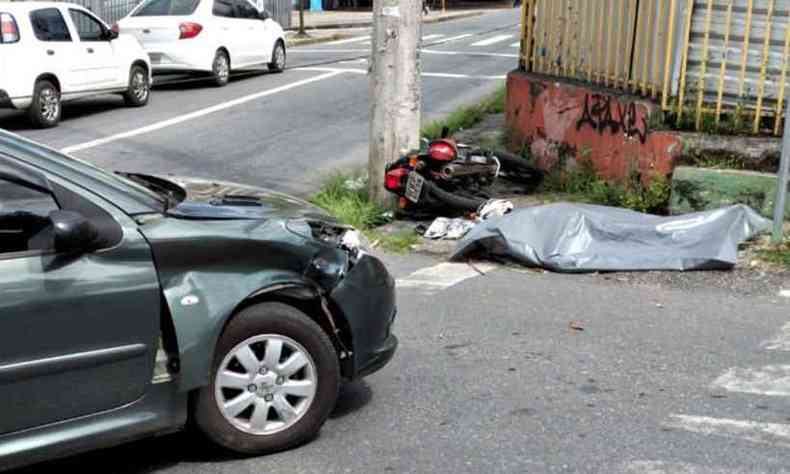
(355, 241)
(332, 233)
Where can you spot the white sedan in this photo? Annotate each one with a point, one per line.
(211, 36)
(55, 52)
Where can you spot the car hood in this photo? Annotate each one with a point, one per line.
(210, 199)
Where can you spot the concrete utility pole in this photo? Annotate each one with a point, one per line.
(395, 90)
(781, 181)
(301, 31)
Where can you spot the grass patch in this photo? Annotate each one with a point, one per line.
(582, 184)
(467, 116)
(345, 196)
(777, 254)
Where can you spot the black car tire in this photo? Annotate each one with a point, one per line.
(283, 320)
(278, 62)
(44, 90)
(137, 94)
(220, 74)
(453, 200)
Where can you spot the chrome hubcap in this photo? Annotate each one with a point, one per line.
(50, 104)
(139, 86)
(221, 68)
(265, 384)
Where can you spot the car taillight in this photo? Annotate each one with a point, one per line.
(9, 33)
(442, 151)
(189, 30)
(115, 28)
(395, 179)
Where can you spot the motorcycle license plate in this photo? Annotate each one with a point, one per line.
(414, 187)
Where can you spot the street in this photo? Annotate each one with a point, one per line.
(499, 369)
(287, 130)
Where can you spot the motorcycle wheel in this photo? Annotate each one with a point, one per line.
(453, 200)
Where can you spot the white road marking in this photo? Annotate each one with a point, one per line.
(771, 380)
(425, 74)
(442, 276)
(779, 343)
(775, 434)
(424, 51)
(430, 37)
(516, 44)
(453, 38)
(661, 467)
(492, 40)
(355, 39)
(197, 114)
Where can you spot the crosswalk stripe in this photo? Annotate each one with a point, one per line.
(454, 38)
(764, 433)
(356, 39)
(442, 276)
(430, 37)
(771, 380)
(493, 40)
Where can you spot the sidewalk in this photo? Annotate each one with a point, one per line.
(362, 19)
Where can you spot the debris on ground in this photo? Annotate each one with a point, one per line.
(567, 237)
(449, 229)
(576, 326)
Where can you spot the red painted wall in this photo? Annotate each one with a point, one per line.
(579, 122)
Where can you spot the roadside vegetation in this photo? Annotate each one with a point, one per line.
(345, 196)
(777, 254)
(467, 116)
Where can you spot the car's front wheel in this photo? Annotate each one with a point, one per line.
(274, 382)
(278, 58)
(139, 89)
(44, 112)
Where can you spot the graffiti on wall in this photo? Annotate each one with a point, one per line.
(605, 113)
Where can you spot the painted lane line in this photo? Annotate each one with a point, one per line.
(492, 40)
(775, 434)
(662, 467)
(424, 74)
(779, 343)
(771, 380)
(196, 114)
(430, 37)
(442, 276)
(424, 51)
(356, 39)
(453, 38)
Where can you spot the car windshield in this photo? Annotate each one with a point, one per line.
(167, 8)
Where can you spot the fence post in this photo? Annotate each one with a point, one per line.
(781, 181)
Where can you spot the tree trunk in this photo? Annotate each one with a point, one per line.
(395, 91)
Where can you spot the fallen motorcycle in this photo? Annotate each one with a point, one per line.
(447, 178)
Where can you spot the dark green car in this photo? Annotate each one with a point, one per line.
(131, 303)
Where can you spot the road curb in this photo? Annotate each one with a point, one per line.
(315, 40)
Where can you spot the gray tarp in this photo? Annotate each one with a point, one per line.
(582, 238)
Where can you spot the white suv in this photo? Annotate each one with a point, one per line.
(210, 36)
(55, 52)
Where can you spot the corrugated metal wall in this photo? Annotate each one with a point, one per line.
(738, 56)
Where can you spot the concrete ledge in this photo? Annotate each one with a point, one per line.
(367, 23)
(700, 189)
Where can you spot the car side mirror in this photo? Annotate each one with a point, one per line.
(73, 233)
(111, 35)
(264, 15)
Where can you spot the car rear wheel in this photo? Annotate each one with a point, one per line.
(45, 110)
(274, 382)
(139, 87)
(220, 68)
(278, 58)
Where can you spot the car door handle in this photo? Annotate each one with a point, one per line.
(90, 50)
(50, 52)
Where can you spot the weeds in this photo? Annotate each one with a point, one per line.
(583, 184)
(467, 116)
(777, 254)
(345, 196)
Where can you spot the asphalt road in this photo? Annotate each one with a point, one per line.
(521, 372)
(511, 372)
(283, 131)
